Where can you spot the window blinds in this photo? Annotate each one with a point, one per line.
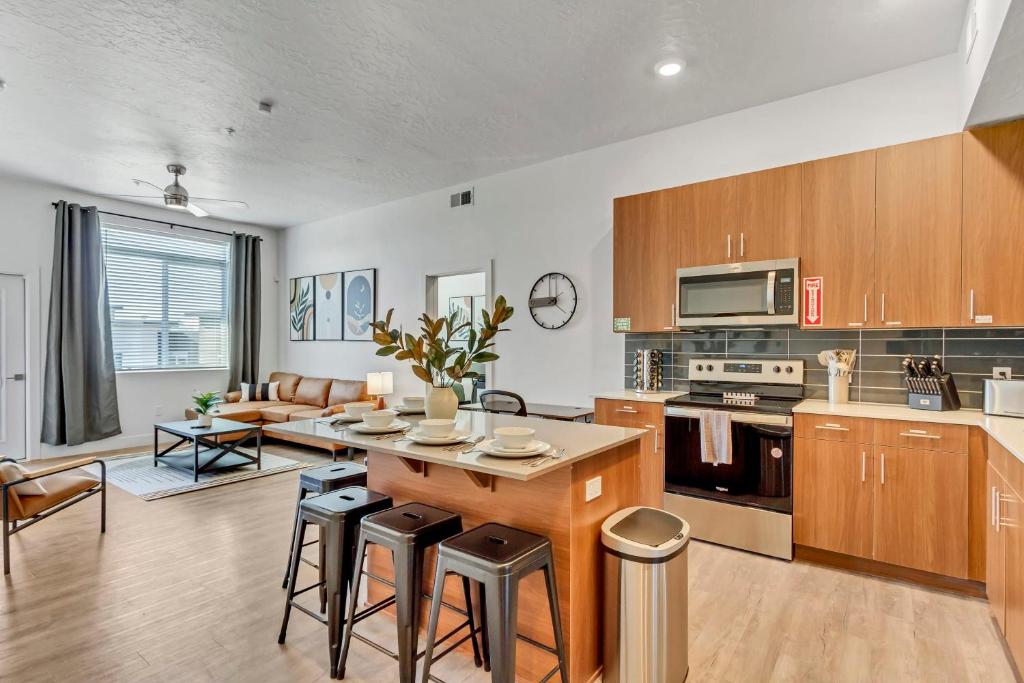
(168, 298)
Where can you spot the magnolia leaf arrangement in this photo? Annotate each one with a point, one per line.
(438, 357)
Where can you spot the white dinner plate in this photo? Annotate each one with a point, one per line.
(363, 428)
(490, 447)
(455, 437)
(405, 410)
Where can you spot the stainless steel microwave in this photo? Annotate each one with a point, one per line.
(754, 293)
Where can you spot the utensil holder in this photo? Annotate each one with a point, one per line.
(933, 393)
(839, 389)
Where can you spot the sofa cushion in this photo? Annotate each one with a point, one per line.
(281, 413)
(59, 487)
(288, 382)
(308, 414)
(312, 391)
(260, 391)
(345, 391)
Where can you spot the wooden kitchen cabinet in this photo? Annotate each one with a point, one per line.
(918, 212)
(641, 415)
(705, 216)
(832, 496)
(993, 232)
(768, 208)
(1011, 507)
(995, 549)
(920, 509)
(837, 236)
(645, 257)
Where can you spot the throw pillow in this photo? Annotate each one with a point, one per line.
(12, 471)
(267, 391)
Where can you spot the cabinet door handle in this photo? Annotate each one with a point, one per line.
(655, 428)
(863, 466)
(865, 307)
(970, 313)
(883, 307)
(742, 242)
(832, 427)
(993, 504)
(728, 246)
(626, 409)
(883, 469)
(920, 435)
(672, 320)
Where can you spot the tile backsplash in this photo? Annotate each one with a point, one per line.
(970, 354)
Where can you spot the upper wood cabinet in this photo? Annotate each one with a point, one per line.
(768, 214)
(837, 236)
(993, 230)
(645, 249)
(917, 233)
(920, 509)
(705, 215)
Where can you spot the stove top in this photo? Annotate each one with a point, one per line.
(744, 384)
(774, 405)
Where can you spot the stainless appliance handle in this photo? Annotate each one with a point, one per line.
(771, 289)
(736, 416)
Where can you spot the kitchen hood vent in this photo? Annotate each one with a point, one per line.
(462, 198)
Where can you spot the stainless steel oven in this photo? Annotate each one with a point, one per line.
(753, 293)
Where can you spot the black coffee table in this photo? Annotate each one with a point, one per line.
(215, 455)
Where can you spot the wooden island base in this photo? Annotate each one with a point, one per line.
(553, 505)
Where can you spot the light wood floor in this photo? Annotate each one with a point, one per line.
(188, 589)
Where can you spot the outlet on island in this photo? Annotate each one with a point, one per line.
(593, 488)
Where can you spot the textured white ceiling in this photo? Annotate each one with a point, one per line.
(379, 100)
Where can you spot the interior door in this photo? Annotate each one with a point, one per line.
(920, 516)
(832, 492)
(917, 236)
(12, 367)
(837, 236)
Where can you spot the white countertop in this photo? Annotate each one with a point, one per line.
(1008, 431)
(630, 395)
(580, 440)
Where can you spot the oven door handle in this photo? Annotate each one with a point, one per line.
(737, 416)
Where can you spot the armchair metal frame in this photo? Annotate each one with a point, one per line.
(12, 527)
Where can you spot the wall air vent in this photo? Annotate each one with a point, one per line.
(462, 198)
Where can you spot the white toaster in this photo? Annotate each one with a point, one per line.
(1004, 397)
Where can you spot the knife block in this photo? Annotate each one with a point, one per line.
(933, 393)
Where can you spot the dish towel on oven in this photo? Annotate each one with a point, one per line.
(715, 437)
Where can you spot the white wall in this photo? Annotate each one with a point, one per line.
(990, 16)
(26, 248)
(557, 216)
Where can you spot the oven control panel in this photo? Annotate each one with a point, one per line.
(750, 370)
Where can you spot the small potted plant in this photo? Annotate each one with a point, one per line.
(439, 357)
(204, 404)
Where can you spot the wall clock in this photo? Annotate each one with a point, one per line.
(553, 301)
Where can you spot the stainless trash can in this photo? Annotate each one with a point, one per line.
(645, 597)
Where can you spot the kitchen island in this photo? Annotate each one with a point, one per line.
(549, 499)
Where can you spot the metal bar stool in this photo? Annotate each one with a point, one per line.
(499, 557)
(407, 531)
(317, 481)
(337, 514)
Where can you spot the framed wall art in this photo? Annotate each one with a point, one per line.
(301, 309)
(360, 304)
(329, 301)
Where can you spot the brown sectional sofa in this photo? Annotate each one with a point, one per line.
(300, 398)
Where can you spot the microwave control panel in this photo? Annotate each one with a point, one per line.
(785, 292)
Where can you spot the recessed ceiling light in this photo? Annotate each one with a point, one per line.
(670, 67)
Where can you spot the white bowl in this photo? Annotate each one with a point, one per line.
(413, 401)
(513, 437)
(357, 408)
(379, 418)
(437, 427)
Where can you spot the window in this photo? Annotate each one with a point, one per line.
(168, 298)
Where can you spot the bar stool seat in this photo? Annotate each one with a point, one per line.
(498, 557)
(337, 514)
(407, 531)
(317, 481)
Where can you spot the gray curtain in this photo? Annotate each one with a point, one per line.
(244, 311)
(80, 387)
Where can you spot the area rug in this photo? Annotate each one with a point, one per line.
(136, 474)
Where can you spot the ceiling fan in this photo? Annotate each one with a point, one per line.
(175, 195)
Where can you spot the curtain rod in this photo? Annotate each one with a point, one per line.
(167, 223)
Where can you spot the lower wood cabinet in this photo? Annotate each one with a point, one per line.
(920, 510)
(902, 506)
(641, 415)
(995, 549)
(832, 496)
(1004, 558)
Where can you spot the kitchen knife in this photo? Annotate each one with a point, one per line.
(923, 368)
(937, 370)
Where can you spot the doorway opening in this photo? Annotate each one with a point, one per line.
(465, 293)
(13, 399)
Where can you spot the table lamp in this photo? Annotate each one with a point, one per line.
(379, 385)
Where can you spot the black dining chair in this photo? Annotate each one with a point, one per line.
(498, 401)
